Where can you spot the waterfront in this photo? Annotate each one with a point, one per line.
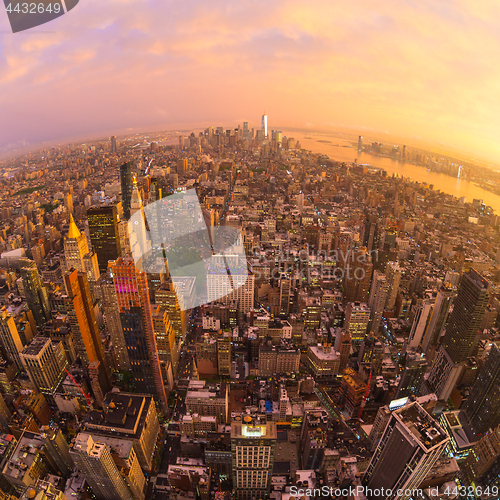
(338, 149)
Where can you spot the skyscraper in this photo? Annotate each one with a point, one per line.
(360, 143)
(34, 291)
(94, 461)
(393, 276)
(482, 407)
(137, 323)
(468, 312)
(167, 298)
(253, 446)
(10, 338)
(77, 254)
(104, 235)
(113, 322)
(461, 334)
(377, 300)
(438, 317)
(113, 144)
(409, 447)
(88, 343)
(46, 363)
(264, 125)
(126, 183)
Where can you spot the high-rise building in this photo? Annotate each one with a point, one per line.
(357, 317)
(104, 235)
(421, 313)
(438, 317)
(461, 334)
(237, 285)
(377, 300)
(94, 461)
(360, 143)
(113, 144)
(46, 363)
(481, 467)
(253, 445)
(126, 184)
(34, 291)
(86, 335)
(9, 337)
(409, 447)
(69, 203)
(165, 341)
(393, 276)
(113, 322)
(137, 323)
(77, 254)
(209, 401)
(264, 125)
(412, 377)
(224, 353)
(313, 438)
(465, 320)
(182, 166)
(167, 297)
(129, 417)
(482, 407)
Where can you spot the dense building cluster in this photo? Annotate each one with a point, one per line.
(350, 349)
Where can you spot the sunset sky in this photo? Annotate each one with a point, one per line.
(425, 70)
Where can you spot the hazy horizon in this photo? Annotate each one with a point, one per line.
(418, 71)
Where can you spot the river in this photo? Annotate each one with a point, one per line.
(338, 150)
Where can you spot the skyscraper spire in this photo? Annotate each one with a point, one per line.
(73, 231)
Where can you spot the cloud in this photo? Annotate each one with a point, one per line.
(413, 68)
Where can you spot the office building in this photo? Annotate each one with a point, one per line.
(9, 337)
(208, 400)
(482, 460)
(264, 126)
(104, 235)
(313, 438)
(126, 185)
(34, 291)
(239, 285)
(393, 275)
(360, 143)
(224, 343)
(113, 144)
(168, 299)
(482, 408)
(377, 300)
(357, 317)
(77, 254)
(323, 361)
(412, 377)
(94, 461)
(81, 315)
(166, 345)
(46, 364)
(137, 324)
(461, 334)
(113, 322)
(439, 315)
(253, 445)
(410, 445)
(465, 320)
(128, 417)
(35, 455)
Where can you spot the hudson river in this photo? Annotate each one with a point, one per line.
(445, 183)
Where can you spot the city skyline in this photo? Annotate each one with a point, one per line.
(384, 71)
